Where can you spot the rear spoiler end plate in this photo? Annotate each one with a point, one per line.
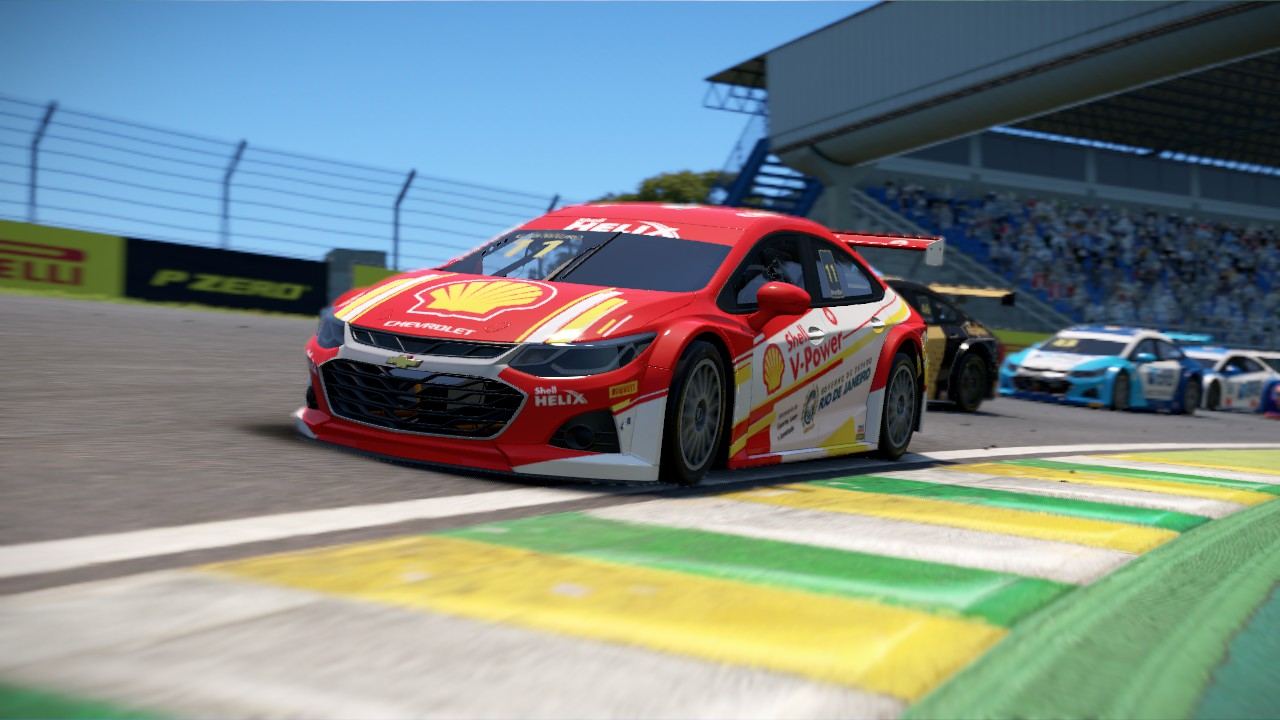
(932, 245)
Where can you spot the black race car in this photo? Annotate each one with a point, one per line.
(964, 356)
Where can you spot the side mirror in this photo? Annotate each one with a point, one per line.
(777, 299)
(1141, 358)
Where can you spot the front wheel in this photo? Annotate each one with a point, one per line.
(1120, 392)
(1191, 397)
(971, 384)
(1213, 398)
(898, 421)
(696, 411)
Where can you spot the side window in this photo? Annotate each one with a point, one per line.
(773, 260)
(1243, 364)
(840, 279)
(946, 313)
(1168, 351)
(1146, 346)
(922, 303)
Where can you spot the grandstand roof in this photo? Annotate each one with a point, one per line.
(1198, 79)
(1230, 112)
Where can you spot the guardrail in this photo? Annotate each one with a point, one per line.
(81, 170)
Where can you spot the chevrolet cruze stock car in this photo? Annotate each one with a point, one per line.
(1120, 368)
(633, 341)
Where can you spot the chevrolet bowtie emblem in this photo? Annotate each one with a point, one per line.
(404, 362)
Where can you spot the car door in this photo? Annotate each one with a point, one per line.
(1243, 378)
(773, 421)
(1159, 377)
(845, 336)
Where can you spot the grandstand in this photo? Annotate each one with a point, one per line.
(1114, 161)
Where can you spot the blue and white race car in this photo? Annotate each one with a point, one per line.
(1105, 366)
(1235, 379)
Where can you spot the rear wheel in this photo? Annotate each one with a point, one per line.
(898, 421)
(1191, 397)
(1120, 392)
(695, 416)
(1213, 398)
(970, 383)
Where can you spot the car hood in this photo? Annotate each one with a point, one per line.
(457, 306)
(1060, 362)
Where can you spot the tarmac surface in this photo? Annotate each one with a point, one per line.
(153, 494)
(120, 417)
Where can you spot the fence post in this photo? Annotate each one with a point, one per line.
(554, 202)
(395, 227)
(226, 193)
(35, 160)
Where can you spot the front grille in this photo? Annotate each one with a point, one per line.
(419, 401)
(428, 346)
(1035, 384)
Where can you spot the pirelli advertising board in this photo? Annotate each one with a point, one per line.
(46, 259)
(183, 273)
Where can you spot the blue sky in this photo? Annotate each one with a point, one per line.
(574, 98)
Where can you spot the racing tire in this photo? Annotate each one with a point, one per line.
(898, 419)
(1213, 398)
(1190, 397)
(969, 384)
(1120, 392)
(697, 411)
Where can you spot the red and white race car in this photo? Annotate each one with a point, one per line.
(633, 341)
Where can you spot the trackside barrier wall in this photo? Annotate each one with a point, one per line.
(45, 259)
(186, 274)
(366, 275)
(56, 260)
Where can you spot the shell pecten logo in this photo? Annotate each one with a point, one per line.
(774, 367)
(480, 299)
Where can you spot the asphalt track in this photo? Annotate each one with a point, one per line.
(121, 417)
(150, 477)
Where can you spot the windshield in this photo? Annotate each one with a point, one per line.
(642, 262)
(1083, 346)
(1273, 362)
(1204, 363)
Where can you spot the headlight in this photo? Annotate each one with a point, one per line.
(1088, 373)
(1010, 366)
(580, 359)
(331, 331)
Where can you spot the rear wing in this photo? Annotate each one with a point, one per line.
(932, 246)
(1185, 338)
(1005, 296)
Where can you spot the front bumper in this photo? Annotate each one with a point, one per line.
(1056, 387)
(523, 444)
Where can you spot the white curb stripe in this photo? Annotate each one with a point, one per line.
(1047, 559)
(71, 553)
(205, 645)
(1172, 467)
(55, 555)
(979, 454)
(1071, 491)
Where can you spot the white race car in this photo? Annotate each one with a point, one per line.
(1234, 379)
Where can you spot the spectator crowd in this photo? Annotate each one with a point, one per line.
(1098, 263)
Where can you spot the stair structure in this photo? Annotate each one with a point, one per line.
(764, 182)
